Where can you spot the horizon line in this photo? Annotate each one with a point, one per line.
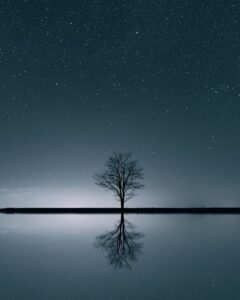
(116, 210)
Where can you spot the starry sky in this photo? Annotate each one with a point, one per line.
(81, 79)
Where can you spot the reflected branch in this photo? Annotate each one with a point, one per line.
(122, 245)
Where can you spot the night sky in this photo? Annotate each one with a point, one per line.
(81, 79)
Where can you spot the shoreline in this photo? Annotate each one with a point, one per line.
(146, 210)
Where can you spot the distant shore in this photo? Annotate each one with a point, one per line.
(146, 210)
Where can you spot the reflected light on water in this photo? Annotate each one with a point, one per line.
(70, 224)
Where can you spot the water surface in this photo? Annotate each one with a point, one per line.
(163, 257)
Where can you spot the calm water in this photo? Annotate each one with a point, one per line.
(104, 257)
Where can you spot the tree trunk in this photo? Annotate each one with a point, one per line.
(122, 204)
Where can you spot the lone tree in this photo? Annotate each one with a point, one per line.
(122, 176)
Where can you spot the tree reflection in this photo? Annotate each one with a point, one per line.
(121, 245)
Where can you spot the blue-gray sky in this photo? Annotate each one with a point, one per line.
(81, 79)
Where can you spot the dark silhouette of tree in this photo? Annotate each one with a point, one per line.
(122, 176)
(122, 245)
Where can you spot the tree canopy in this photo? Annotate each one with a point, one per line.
(122, 175)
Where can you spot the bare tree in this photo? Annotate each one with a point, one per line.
(122, 176)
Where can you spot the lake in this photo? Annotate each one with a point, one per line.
(109, 257)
